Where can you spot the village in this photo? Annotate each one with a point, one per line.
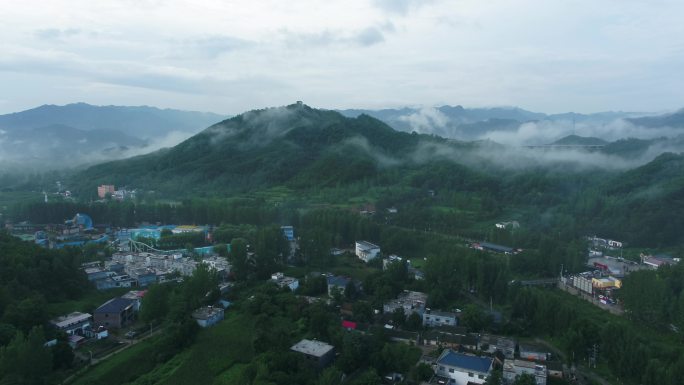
(455, 354)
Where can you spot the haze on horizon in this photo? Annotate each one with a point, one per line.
(233, 56)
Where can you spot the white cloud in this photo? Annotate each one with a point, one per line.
(219, 55)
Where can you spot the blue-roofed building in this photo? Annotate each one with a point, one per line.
(337, 283)
(288, 232)
(463, 368)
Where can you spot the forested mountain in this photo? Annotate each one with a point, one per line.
(675, 119)
(294, 145)
(55, 137)
(308, 151)
(576, 140)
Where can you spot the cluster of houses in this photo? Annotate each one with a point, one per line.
(116, 313)
(109, 191)
(466, 358)
(457, 366)
(76, 231)
(143, 269)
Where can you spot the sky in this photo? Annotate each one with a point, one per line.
(232, 56)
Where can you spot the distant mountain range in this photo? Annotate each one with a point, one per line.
(52, 136)
(514, 124)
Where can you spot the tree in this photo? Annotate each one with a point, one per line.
(525, 379)
(330, 376)
(495, 378)
(398, 316)
(26, 360)
(238, 258)
(350, 291)
(414, 322)
(155, 303)
(473, 317)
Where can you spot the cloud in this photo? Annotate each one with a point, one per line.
(366, 37)
(369, 36)
(427, 120)
(401, 7)
(56, 33)
(208, 47)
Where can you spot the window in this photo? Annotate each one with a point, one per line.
(480, 376)
(441, 368)
(470, 374)
(451, 370)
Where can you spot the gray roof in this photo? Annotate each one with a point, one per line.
(312, 348)
(114, 305)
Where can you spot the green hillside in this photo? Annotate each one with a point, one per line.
(306, 156)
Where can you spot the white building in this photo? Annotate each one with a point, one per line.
(512, 369)
(367, 251)
(463, 368)
(283, 281)
(73, 323)
(439, 318)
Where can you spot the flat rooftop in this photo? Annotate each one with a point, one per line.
(367, 245)
(70, 319)
(312, 348)
(206, 312)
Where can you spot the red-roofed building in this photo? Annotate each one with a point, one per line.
(349, 325)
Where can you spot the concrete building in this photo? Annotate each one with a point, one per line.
(105, 190)
(512, 369)
(75, 323)
(409, 301)
(283, 281)
(337, 283)
(288, 232)
(115, 313)
(439, 318)
(208, 316)
(136, 296)
(533, 352)
(463, 369)
(367, 251)
(317, 352)
(655, 262)
(491, 344)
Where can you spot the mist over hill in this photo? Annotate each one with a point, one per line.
(57, 137)
(302, 147)
(516, 126)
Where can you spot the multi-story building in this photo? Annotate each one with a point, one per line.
(463, 369)
(367, 251)
(439, 318)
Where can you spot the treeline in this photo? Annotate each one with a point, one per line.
(634, 353)
(656, 297)
(128, 214)
(30, 278)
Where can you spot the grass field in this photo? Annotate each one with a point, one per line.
(122, 367)
(216, 351)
